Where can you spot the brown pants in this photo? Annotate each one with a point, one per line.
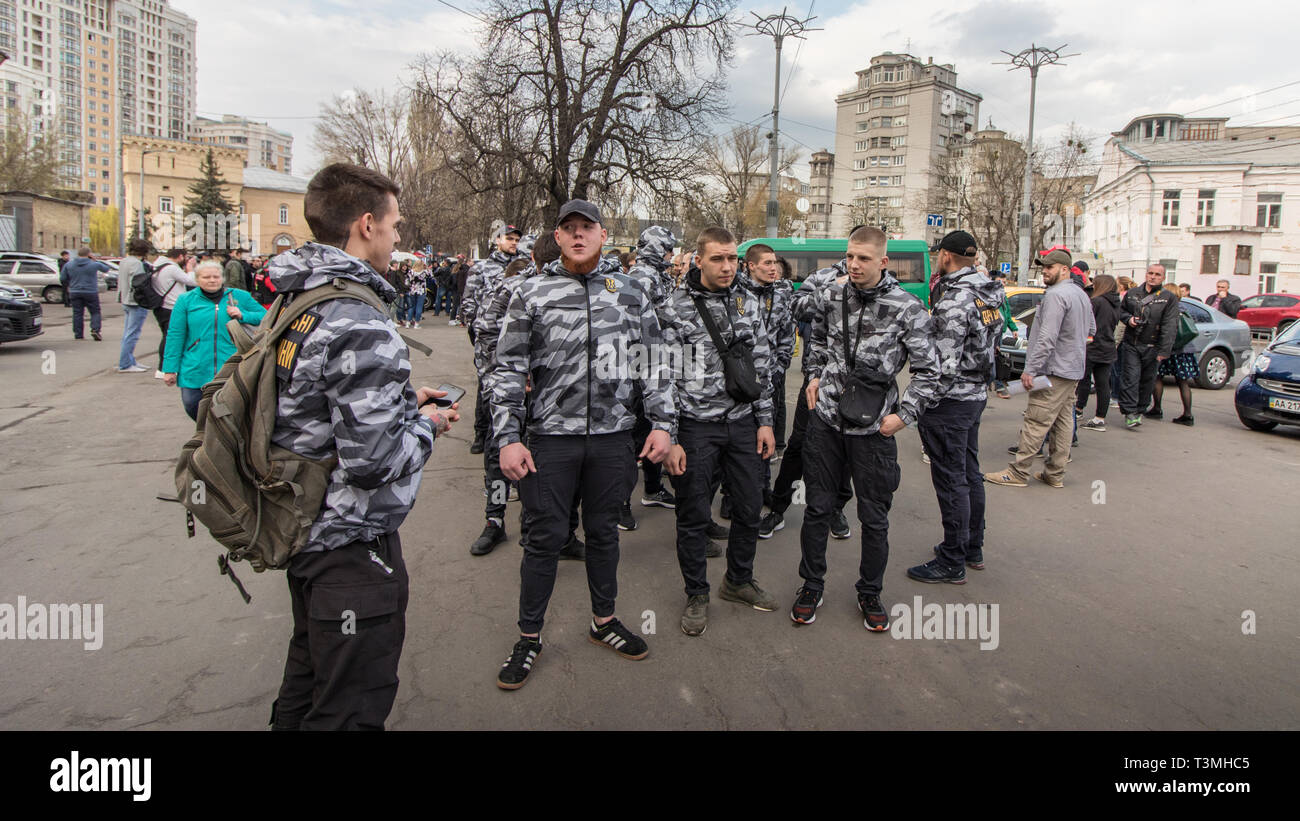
(1050, 410)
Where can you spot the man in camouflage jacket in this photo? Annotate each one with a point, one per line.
(762, 276)
(344, 392)
(966, 321)
(483, 282)
(887, 329)
(565, 333)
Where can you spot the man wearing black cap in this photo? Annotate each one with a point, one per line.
(484, 280)
(556, 336)
(966, 321)
(1058, 341)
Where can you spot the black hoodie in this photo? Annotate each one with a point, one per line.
(1106, 309)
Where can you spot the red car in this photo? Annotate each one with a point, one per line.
(1270, 312)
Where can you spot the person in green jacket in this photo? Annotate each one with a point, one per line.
(198, 342)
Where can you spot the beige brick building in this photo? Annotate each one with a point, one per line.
(47, 225)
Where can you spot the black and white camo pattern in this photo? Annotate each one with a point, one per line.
(775, 300)
(966, 323)
(554, 327)
(350, 395)
(654, 251)
(483, 280)
(895, 332)
(737, 313)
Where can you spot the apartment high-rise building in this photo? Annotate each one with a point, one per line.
(93, 70)
(901, 115)
(267, 147)
(821, 176)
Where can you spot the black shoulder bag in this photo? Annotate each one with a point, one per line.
(862, 402)
(737, 362)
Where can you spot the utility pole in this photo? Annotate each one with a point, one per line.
(1031, 58)
(778, 27)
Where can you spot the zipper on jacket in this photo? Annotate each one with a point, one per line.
(216, 329)
(586, 292)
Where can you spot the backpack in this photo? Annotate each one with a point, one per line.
(143, 291)
(257, 499)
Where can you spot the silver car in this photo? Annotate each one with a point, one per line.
(37, 274)
(1222, 344)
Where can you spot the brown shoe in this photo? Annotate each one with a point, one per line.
(1004, 478)
(1042, 477)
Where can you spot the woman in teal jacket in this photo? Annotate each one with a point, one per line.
(198, 343)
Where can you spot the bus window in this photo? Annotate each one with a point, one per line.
(804, 263)
(907, 266)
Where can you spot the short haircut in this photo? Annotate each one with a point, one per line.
(139, 247)
(1223, 282)
(175, 253)
(339, 195)
(1158, 265)
(207, 263)
(515, 266)
(786, 271)
(756, 252)
(869, 235)
(546, 250)
(716, 234)
(83, 251)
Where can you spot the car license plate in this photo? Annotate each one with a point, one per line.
(1291, 405)
(36, 323)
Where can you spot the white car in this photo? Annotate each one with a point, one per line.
(38, 274)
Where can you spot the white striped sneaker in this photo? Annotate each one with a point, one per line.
(615, 636)
(519, 664)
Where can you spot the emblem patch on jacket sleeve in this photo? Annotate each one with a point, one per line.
(286, 355)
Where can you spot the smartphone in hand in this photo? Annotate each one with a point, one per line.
(454, 395)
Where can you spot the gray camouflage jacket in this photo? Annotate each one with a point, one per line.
(653, 251)
(700, 381)
(775, 302)
(347, 391)
(801, 302)
(484, 279)
(568, 334)
(966, 322)
(895, 332)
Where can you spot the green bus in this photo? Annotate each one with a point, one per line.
(909, 259)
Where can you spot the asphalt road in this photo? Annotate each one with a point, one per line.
(1126, 614)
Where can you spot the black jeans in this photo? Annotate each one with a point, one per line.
(873, 462)
(652, 472)
(950, 432)
(1095, 373)
(792, 463)
(164, 316)
(778, 407)
(599, 466)
(87, 302)
(1138, 378)
(349, 623)
(732, 446)
(482, 414)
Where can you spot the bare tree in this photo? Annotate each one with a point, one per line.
(567, 98)
(735, 166)
(28, 159)
(366, 128)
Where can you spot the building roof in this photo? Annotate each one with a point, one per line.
(267, 179)
(1216, 152)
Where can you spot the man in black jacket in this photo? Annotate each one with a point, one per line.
(1150, 316)
(1225, 302)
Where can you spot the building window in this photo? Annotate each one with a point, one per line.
(1169, 216)
(886, 102)
(164, 205)
(1268, 214)
(862, 125)
(900, 99)
(1205, 208)
(858, 165)
(899, 122)
(860, 145)
(284, 214)
(898, 160)
(1210, 259)
(899, 142)
(1242, 266)
(861, 183)
(862, 108)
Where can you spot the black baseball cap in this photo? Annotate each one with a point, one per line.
(581, 207)
(510, 229)
(958, 242)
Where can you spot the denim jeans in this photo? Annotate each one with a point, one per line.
(89, 302)
(190, 399)
(415, 307)
(133, 322)
(950, 431)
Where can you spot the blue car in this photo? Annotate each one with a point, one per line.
(1270, 394)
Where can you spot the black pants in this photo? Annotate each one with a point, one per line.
(873, 462)
(950, 432)
(495, 483)
(349, 622)
(599, 466)
(708, 445)
(482, 415)
(778, 407)
(652, 472)
(164, 316)
(1138, 377)
(84, 302)
(792, 463)
(1095, 373)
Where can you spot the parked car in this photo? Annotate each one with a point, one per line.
(1270, 312)
(38, 274)
(1021, 298)
(20, 315)
(1270, 394)
(1222, 344)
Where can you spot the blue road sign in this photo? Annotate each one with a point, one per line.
(934, 220)
(1005, 267)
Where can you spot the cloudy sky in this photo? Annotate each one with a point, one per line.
(278, 61)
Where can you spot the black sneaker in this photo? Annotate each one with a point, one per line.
(493, 534)
(661, 499)
(805, 606)
(1185, 419)
(771, 523)
(974, 558)
(1154, 413)
(477, 446)
(936, 572)
(724, 510)
(574, 549)
(874, 617)
(717, 532)
(95, 335)
(713, 551)
(520, 663)
(840, 525)
(626, 521)
(615, 636)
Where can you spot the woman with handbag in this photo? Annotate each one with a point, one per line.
(1181, 365)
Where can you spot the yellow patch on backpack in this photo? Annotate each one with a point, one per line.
(988, 315)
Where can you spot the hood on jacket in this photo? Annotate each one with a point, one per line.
(655, 247)
(526, 244)
(314, 264)
(990, 291)
(886, 284)
(1112, 297)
